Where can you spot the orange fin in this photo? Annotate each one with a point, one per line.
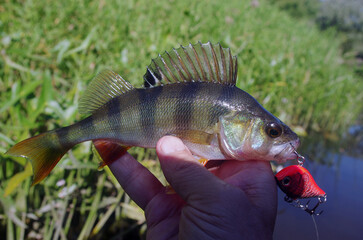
(169, 190)
(44, 152)
(203, 161)
(109, 151)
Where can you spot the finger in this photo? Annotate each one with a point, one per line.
(255, 178)
(188, 178)
(137, 181)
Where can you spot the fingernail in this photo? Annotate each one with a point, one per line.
(171, 144)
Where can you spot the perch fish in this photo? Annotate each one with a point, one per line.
(189, 92)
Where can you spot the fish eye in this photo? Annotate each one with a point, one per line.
(286, 181)
(273, 130)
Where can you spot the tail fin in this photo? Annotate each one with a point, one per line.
(44, 152)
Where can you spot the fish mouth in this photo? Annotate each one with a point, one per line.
(288, 151)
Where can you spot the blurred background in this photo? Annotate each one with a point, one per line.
(301, 59)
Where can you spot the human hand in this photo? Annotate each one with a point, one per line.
(237, 200)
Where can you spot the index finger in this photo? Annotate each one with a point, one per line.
(137, 181)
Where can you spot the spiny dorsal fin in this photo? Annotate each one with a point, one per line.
(194, 63)
(105, 86)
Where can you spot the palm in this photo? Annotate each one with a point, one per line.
(243, 195)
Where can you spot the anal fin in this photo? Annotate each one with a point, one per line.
(109, 151)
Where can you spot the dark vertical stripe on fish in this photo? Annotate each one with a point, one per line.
(63, 135)
(225, 96)
(114, 115)
(184, 110)
(147, 108)
(87, 127)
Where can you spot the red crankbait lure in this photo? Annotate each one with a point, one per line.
(296, 182)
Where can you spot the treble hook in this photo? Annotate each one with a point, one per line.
(305, 207)
(312, 210)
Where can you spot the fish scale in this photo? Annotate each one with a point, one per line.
(191, 94)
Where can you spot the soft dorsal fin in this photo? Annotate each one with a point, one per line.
(194, 63)
(105, 86)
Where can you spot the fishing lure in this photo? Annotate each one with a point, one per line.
(190, 93)
(297, 183)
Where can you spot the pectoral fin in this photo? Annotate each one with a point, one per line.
(195, 136)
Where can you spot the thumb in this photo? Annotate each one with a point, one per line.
(184, 173)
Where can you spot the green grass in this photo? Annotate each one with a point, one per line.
(50, 50)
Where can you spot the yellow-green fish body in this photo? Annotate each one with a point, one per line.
(190, 94)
